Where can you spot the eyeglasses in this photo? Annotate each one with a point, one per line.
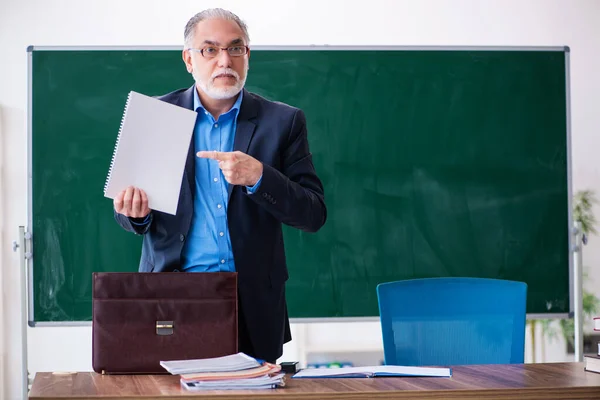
(213, 51)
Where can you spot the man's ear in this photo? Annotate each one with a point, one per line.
(187, 59)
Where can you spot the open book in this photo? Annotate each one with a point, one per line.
(371, 372)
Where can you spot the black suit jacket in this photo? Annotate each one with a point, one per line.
(290, 193)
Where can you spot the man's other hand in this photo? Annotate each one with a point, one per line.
(132, 202)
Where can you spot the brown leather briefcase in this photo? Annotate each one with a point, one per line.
(140, 319)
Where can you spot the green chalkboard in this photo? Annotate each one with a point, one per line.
(435, 162)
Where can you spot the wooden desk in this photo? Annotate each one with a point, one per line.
(518, 381)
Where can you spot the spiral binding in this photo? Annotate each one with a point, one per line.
(112, 161)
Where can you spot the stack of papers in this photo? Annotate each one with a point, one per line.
(236, 371)
(263, 382)
(234, 362)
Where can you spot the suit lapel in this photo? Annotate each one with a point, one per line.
(245, 127)
(186, 100)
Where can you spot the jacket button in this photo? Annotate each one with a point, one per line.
(265, 195)
(182, 237)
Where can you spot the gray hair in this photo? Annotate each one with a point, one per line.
(212, 13)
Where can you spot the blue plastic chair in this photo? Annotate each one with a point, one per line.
(452, 321)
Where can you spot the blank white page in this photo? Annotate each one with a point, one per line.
(151, 151)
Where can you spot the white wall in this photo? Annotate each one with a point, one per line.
(575, 23)
(2, 239)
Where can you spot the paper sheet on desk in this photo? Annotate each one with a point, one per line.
(376, 371)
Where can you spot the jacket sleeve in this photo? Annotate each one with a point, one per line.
(138, 226)
(295, 194)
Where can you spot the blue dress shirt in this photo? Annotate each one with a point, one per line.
(208, 246)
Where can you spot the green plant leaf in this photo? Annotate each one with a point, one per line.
(583, 204)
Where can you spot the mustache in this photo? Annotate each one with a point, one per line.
(225, 71)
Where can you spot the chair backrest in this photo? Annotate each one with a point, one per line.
(453, 321)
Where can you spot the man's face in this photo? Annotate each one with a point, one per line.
(223, 76)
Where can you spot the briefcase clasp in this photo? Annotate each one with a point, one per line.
(164, 328)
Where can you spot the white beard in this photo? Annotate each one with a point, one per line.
(221, 93)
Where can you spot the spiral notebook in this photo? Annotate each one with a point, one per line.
(151, 151)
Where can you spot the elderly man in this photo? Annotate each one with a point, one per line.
(249, 170)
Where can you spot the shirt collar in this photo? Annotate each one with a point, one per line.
(236, 106)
